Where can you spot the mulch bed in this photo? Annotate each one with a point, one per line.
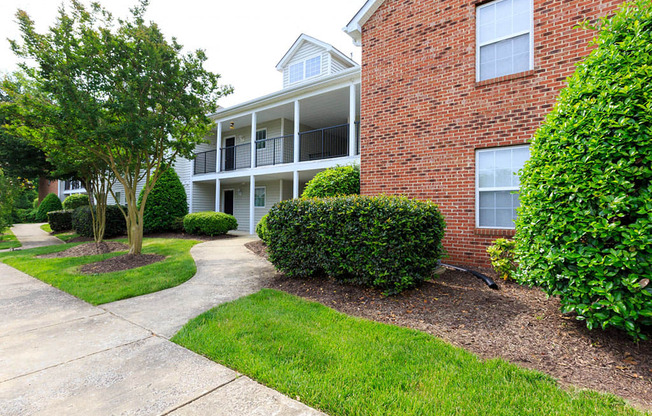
(182, 236)
(119, 263)
(516, 323)
(89, 249)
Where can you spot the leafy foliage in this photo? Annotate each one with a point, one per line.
(166, 202)
(502, 257)
(387, 242)
(50, 203)
(209, 223)
(584, 231)
(60, 220)
(262, 231)
(75, 201)
(7, 191)
(82, 221)
(337, 181)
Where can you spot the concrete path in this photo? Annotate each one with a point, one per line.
(31, 236)
(60, 355)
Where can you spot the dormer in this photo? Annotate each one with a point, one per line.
(309, 59)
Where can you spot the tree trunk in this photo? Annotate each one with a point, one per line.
(134, 222)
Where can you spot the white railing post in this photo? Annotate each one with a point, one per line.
(252, 208)
(218, 194)
(352, 129)
(295, 184)
(253, 140)
(297, 126)
(218, 154)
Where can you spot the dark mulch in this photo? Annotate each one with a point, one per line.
(516, 323)
(182, 236)
(119, 263)
(89, 249)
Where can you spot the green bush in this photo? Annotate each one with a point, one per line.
(502, 257)
(165, 203)
(387, 242)
(584, 230)
(262, 230)
(337, 181)
(60, 220)
(75, 201)
(209, 223)
(82, 222)
(50, 203)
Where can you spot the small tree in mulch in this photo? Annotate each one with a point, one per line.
(166, 203)
(584, 231)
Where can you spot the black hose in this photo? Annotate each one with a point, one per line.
(480, 276)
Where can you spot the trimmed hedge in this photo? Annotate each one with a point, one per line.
(584, 230)
(209, 223)
(166, 203)
(337, 181)
(60, 220)
(82, 222)
(75, 201)
(50, 203)
(262, 231)
(388, 242)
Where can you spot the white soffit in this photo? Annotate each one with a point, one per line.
(354, 28)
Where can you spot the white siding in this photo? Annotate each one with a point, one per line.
(337, 66)
(307, 50)
(203, 196)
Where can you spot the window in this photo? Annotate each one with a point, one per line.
(261, 135)
(497, 184)
(259, 197)
(504, 38)
(309, 68)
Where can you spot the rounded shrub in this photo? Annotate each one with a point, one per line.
(50, 203)
(262, 230)
(388, 242)
(209, 223)
(60, 220)
(337, 181)
(165, 204)
(75, 201)
(82, 222)
(584, 230)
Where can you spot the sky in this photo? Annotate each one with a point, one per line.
(243, 39)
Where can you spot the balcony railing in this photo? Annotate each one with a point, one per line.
(324, 143)
(275, 151)
(205, 162)
(72, 185)
(235, 157)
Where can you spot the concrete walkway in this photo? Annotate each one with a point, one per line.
(60, 355)
(31, 236)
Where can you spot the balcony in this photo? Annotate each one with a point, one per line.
(205, 162)
(235, 157)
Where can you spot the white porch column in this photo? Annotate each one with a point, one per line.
(295, 185)
(253, 140)
(352, 112)
(297, 126)
(280, 187)
(190, 192)
(252, 209)
(218, 154)
(218, 195)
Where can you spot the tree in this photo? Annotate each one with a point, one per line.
(144, 103)
(7, 192)
(584, 230)
(166, 204)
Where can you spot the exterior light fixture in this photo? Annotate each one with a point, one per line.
(232, 126)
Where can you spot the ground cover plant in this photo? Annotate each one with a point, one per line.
(8, 240)
(64, 273)
(584, 229)
(349, 366)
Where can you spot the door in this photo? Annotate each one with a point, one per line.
(229, 155)
(228, 202)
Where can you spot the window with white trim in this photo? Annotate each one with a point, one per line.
(308, 68)
(497, 185)
(259, 197)
(504, 42)
(261, 135)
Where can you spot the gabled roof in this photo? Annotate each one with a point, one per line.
(305, 38)
(354, 28)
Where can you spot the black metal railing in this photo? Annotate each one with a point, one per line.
(324, 143)
(70, 185)
(235, 157)
(275, 151)
(205, 162)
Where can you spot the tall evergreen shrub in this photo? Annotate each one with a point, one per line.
(584, 231)
(50, 203)
(165, 204)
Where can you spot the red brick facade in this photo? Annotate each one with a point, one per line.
(46, 187)
(424, 115)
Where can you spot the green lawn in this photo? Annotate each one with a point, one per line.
(66, 236)
(108, 287)
(349, 366)
(8, 240)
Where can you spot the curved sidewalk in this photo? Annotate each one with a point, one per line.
(31, 236)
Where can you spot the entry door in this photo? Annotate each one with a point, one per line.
(228, 202)
(229, 155)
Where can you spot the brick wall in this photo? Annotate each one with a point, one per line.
(46, 187)
(424, 115)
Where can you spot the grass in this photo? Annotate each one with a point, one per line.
(349, 366)
(8, 240)
(66, 236)
(64, 274)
